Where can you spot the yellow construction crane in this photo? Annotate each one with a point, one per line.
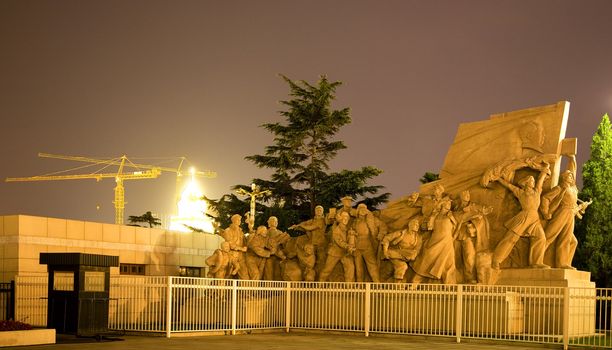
(119, 176)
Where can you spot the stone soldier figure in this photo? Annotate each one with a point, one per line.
(365, 244)
(431, 206)
(306, 260)
(347, 207)
(437, 260)
(221, 264)
(258, 253)
(315, 231)
(560, 208)
(526, 223)
(275, 243)
(472, 233)
(341, 249)
(235, 237)
(401, 247)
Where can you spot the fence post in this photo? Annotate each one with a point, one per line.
(366, 311)
(288, 308)
(168, 306)
(234, 304)
(459, 312)
(566, 302)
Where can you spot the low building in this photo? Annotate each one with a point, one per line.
(141, 250)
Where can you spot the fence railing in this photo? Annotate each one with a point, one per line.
(31, 299)
(138, 303)
(7, 300)
(552, 315)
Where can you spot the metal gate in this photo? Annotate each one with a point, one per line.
(7, 300)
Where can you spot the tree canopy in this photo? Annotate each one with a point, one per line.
(146, 218)
(304, 143)
(594, 231)
(429, 177)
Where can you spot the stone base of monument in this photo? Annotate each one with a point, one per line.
(543, 295)
(545, 278)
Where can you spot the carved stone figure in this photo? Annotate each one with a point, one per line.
(366, 233)
(235, 237)
(401, 247)
(347, 207)
(532, 136)
(559, 206)
(258, 253)
(506, 169)
(526, 223)
(340, 249)
(430, 206)
(484, 272)
(221, 263)
(307, 259)
(315, 230)
(468, 252)
(505, 148)
(500, 146)
(293, 249)
(437, 259)
(472, 233)
(398, 213)
(275, 243)
(413, 198)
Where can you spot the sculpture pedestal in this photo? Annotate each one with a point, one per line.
(544, 298)
(545, 278)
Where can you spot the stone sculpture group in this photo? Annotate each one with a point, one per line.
(503, 210)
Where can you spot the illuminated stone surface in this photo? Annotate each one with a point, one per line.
(161, 251)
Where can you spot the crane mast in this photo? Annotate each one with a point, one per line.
(120, 176)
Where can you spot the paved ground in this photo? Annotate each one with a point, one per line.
(273, 341)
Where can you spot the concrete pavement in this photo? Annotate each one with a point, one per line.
(281, 341)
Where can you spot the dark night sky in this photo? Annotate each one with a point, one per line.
(197, 78)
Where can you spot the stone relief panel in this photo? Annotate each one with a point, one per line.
(501, 201)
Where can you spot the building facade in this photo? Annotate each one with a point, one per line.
(141, 250)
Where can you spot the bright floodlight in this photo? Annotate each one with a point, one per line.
(191, 209)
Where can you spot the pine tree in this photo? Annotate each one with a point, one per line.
(594, 231)
(304, 144)
(146, 218)
(429, 177)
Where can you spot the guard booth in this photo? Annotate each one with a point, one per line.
(78, 292)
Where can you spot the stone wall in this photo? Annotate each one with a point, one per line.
(23, 238)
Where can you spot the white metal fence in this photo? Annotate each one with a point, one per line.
(564, 316)
(138, 303)
(31, 299)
